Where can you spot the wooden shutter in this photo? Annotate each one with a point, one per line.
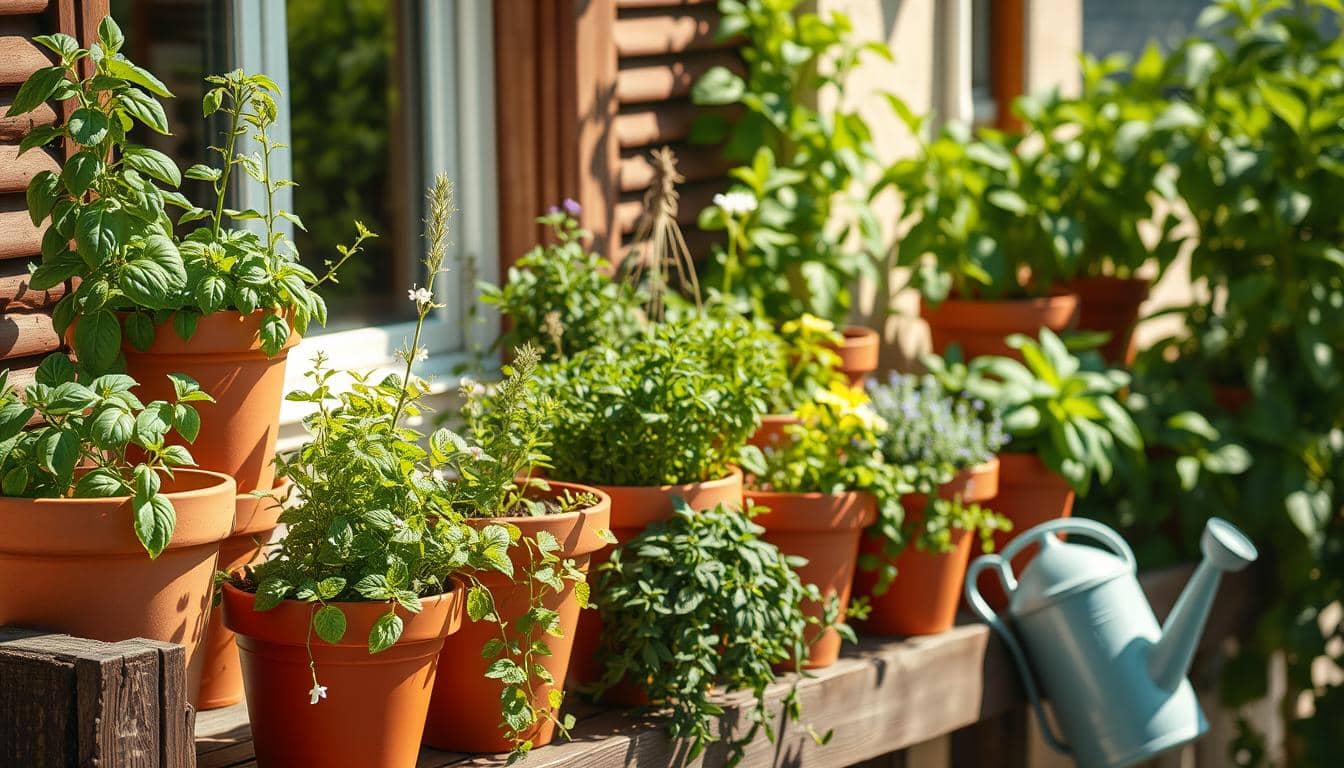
(26, 332)
(585, 89)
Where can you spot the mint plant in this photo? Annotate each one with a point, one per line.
(697, 602)
(97, 440)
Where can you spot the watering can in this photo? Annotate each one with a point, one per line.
(1081, 631)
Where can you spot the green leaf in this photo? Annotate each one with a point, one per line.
(177, 456)
(201, 172)
(140, 330)
(43, 192)
(184, 323)
(144, 108)
(153, 423)
(270, 593)
(55, 370)
(385, 633)
(330, 587)
(155, 520)
(211, 294)
(329, 622)
(133, 74)
(100, 484)
(274, 333)
(98, 341)
(109, 34)
(15, 482)
(39, 87)
(99, 232)
(719, 85)
(1230, 459)
(1284, 103)
(58, 452)
(70, 397)
(13, 418)
(145, 482)
(187, 422)
(59, 43)
(211, 102)
(111, 426)
(39, 136)
(80, 171)
(479, 604)
(87, 126)
(153, 163)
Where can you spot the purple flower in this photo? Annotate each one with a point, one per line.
(554, 209)
(572, 207)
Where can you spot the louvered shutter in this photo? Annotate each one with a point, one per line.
(585, 89)
(26, 332)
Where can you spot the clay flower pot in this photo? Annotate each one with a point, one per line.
(924, 597)
(825, 529)
(253, 523)
(374, 712)
(634, 508)
(858, 351)
(75, 566)
(771, 429)
(1029, 494)
(980, 327)
(465, 712)
(224, 356)
(1111, 304)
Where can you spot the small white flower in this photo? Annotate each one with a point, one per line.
(317, 693)
(468, 386)
(736, 203)
(421, 296)
(476, 452)
(421, 354)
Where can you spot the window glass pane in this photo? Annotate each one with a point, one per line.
(351, 91)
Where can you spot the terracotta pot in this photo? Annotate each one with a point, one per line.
(771, 429)
(254, 523)
(858, 353)
(76, 566)
(1111, 304)
(224, 356)
(924, 597)
(634, 508)
(374, 712)
(1029, 494)
(465, 713)
(825, 529)
(980, 327)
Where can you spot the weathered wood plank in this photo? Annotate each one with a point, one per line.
(18, 237)
(13, 129)
(662, 32)
(67, 702)
(16, 7)
(19, 55)
(669, 78)
(25, 334)
(17, 170)
(695, 163)
(16, 296)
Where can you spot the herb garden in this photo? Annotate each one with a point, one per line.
(678, 488)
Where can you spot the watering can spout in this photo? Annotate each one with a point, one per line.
(1226, 550)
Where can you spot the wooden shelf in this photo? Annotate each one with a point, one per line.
(884, 695)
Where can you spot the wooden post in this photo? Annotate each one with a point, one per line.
(67, 702)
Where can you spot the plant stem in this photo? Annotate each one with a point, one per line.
(239, 100)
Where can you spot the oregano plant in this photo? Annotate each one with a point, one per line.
(96, 439)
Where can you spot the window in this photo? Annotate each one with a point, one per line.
(378, 97)
(966, 65)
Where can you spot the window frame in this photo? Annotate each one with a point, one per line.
(457, 123)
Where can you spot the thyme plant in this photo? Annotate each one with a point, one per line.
(96, 439)
(697, 602)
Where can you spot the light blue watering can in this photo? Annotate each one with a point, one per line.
(1079, 628)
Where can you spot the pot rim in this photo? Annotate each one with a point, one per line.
(288, 622)
(191, 493)
(858, 336)
(243, 326)
(733, 476)
(824, 511)
(248, 507)
(583, 521)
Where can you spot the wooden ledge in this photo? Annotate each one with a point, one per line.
(884, 695)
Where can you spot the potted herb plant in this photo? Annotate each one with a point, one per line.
(984, 251)
(702, 587)
(807, 354)
(945, 446)
(663, 417)
(1064, 420)
(562, 297)
(92, 488)
(819, 489)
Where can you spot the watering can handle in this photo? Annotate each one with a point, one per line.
(981, 607)
(1091, 528)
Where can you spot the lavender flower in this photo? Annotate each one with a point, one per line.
(572, 207)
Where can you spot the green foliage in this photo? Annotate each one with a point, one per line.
(699, 601)
(811, 363)
(797, 160)
(1062, 407)
(672, 407)
(97, 440)
(562, 298)
(111, 199)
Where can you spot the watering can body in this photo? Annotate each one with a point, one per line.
(1082, 633)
